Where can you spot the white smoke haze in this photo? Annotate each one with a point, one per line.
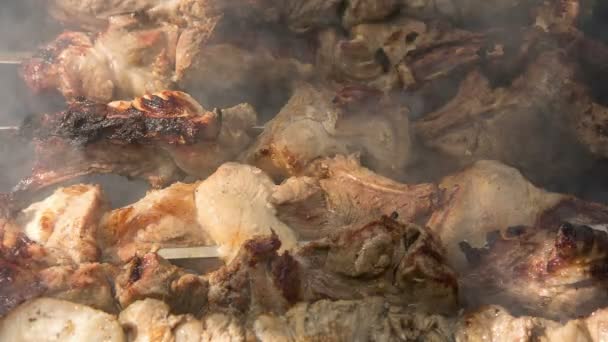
(24, 25)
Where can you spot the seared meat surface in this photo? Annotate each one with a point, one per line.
(403, 263)
(163, 218)
(552, 272)
(149, 137)
(489, 196)
(131, 59)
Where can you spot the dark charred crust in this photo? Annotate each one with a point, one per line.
(261, 248)
(286, 275)
(172, 120)
(136, 270)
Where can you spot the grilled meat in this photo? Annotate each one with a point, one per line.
(315, 123)
(150, 137)
(65, 223)
(546, 106)
(552, 272)
(163, 218)
(403, 263)
(130, 60)
(339, 192)
(234, 205)
(150, 276)
(48, 319)
(493, 323)
(151, 320)
(489, 196)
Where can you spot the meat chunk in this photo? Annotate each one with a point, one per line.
(130, 60)
(233, 205)
(150, 276)
(403, 263)
(316, 124)
(339, 192)
(27, 272)
(65, 224)
(552, 272)
(47, 319)
(370, 319)
(150, 320)
(493, 323)
(163, 218)
(147, 137)
(120, 63)
(546, 106)
(481, 198)
(90, 284)
(489, 196)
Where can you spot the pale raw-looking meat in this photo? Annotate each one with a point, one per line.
(48, 319)
(234, 205)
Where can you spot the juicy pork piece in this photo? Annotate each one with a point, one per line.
(48, 319)
(403, 263)
(150, 276)
(65, 224)
(163, 218)
(315, 124)
(147, 137)
(234, 205)
(489, 196)
(552, 272)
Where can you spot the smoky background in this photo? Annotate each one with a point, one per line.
(24, 25)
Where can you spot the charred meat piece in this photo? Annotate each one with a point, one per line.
(557, 273)
(168, 117)
(403, 263)
(152, 137)
(150, 276)
(316, 124)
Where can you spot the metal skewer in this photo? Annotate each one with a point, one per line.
(13, 57)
